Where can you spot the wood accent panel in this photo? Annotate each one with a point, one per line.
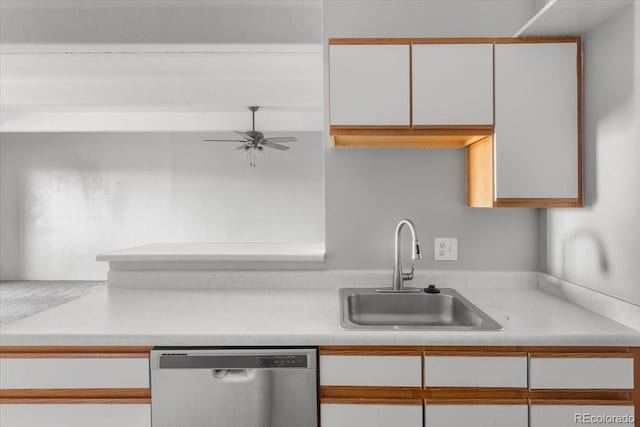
(73, 349)
(450, 40)
(476, 353)
(411, 85)
(636, 381)
(480, 177)
(580, 402)
(369, 401)
(475, 401)
(580, 172)
(419, 136)
(581, 394)
(77, 393)
(48, 401)
(370, 40)
(596, 355)
(370, 351)
(488, 350)
(371, 392)
(475, 393)
(74, 355)
(537, 203)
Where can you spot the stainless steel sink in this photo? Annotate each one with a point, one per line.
(370, 309)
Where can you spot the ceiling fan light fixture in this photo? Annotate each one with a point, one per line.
(253, 142)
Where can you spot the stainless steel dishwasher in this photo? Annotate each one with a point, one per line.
(234, 387)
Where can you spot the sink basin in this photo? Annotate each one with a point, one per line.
(368, 309)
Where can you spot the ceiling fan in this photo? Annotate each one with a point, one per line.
(253, 141)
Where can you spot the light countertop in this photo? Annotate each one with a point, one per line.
(218, 252)
(226, 317)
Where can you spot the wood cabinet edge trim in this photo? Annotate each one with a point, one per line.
(368, 401)
(76, 393)
(449, 40)
(580, 402)
(74, 355)
(49, 401)
(75, 349)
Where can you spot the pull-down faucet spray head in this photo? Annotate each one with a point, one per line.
(417, 253)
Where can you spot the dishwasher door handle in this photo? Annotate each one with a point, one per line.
(234, 375)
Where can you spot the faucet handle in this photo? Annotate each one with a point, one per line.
(409, 276)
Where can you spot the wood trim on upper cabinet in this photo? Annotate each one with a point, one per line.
(451, 40)
(411, 85)
(372, 40)
(537, 203)
(580, 201)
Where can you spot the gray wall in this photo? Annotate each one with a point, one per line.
(66, 197)
(368, 190)
(599, 246)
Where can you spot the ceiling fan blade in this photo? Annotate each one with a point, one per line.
(281, 139)
(223, 140)
(274, 145)
(245, 135)
(242, 147)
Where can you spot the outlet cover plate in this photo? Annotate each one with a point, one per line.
(445, 249)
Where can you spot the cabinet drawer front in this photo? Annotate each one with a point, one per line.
(573, 415)
(400, 371)
(369, 85)
(585, 372)
(475, 371)
(75, 415)
(476, 415)
(370, 415)
(74, 373)
(452, 84)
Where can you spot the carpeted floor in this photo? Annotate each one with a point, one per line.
(21, 299)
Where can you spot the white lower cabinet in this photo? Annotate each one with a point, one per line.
(573, 415)
(75, 415)
(485, 415)
(370, 415)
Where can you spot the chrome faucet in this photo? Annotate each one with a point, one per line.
(398, 276)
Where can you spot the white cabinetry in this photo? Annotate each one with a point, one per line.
(573, 415)
(452, 84)
(581, 372)
(536, 121)
(393, 371)
(75, 415)
(476, 415)
(369, 85)
(371, 415)
(38, 373)
(475, 371)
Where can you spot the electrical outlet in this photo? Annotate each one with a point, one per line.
(445, 249)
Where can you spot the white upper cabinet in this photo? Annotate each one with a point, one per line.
(536, 120)
(452, 84)
(369, 85)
